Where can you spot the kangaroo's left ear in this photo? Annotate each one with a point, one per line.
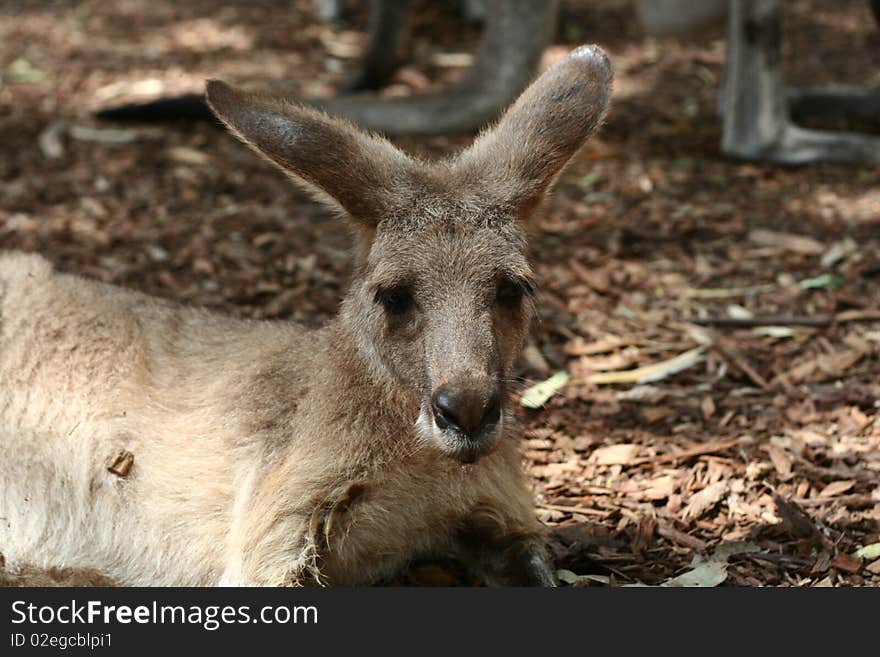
(350, 168)
(518, 159)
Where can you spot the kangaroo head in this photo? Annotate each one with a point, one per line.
(441, 297)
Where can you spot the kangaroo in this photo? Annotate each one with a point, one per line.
(514, 37)
(756, 107)
(157, 444)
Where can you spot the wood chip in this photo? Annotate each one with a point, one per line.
(838, 362)
(823, 563)
(847, 563)
(653, 414)
(704, 500)
(556, 469)
(799, 522)
(659, 488)
(622, 454)
(644, 535)
(781, 461)
(707, 407)
(122, 464)
(597, 279)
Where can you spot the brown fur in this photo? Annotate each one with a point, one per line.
(267, 454)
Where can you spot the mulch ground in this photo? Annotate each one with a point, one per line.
(759, 458)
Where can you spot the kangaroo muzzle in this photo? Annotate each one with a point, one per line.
(468, 417)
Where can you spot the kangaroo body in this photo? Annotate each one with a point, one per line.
(243, 472)
(163, 445)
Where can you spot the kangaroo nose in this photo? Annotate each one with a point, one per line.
(469, 412)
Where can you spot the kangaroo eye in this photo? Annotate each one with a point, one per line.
(395, 300)
(511, 291)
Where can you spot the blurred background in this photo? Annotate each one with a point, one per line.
(654, 246)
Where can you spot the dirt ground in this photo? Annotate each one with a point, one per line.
(653, 246)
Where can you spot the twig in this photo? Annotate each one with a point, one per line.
(666, 531)
(820, 321)
(832, 474)
(857, 315)
(747, 369)
(763, 320)
(855, 500)
(690, 452)
(575, 509)
(782, 559)
(727, 293)
(870, 423)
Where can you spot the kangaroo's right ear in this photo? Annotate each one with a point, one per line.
(354, 170)
(518, 159)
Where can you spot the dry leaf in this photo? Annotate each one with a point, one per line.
(50, 140)
(774, 331)
(654, 414)
(108, 136)
(837, 252)
(573, 579)
(186, 155)
(839, 362)
(597, 279)
(579, 347)
(645, 393)
(739, 312)
(787, 241)
(836, 488)
(538, 395)
(709, 574)
(651, 373)
(616, 361)
(871, 551)
(799, 372)
(452, 59)
(712, 571)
